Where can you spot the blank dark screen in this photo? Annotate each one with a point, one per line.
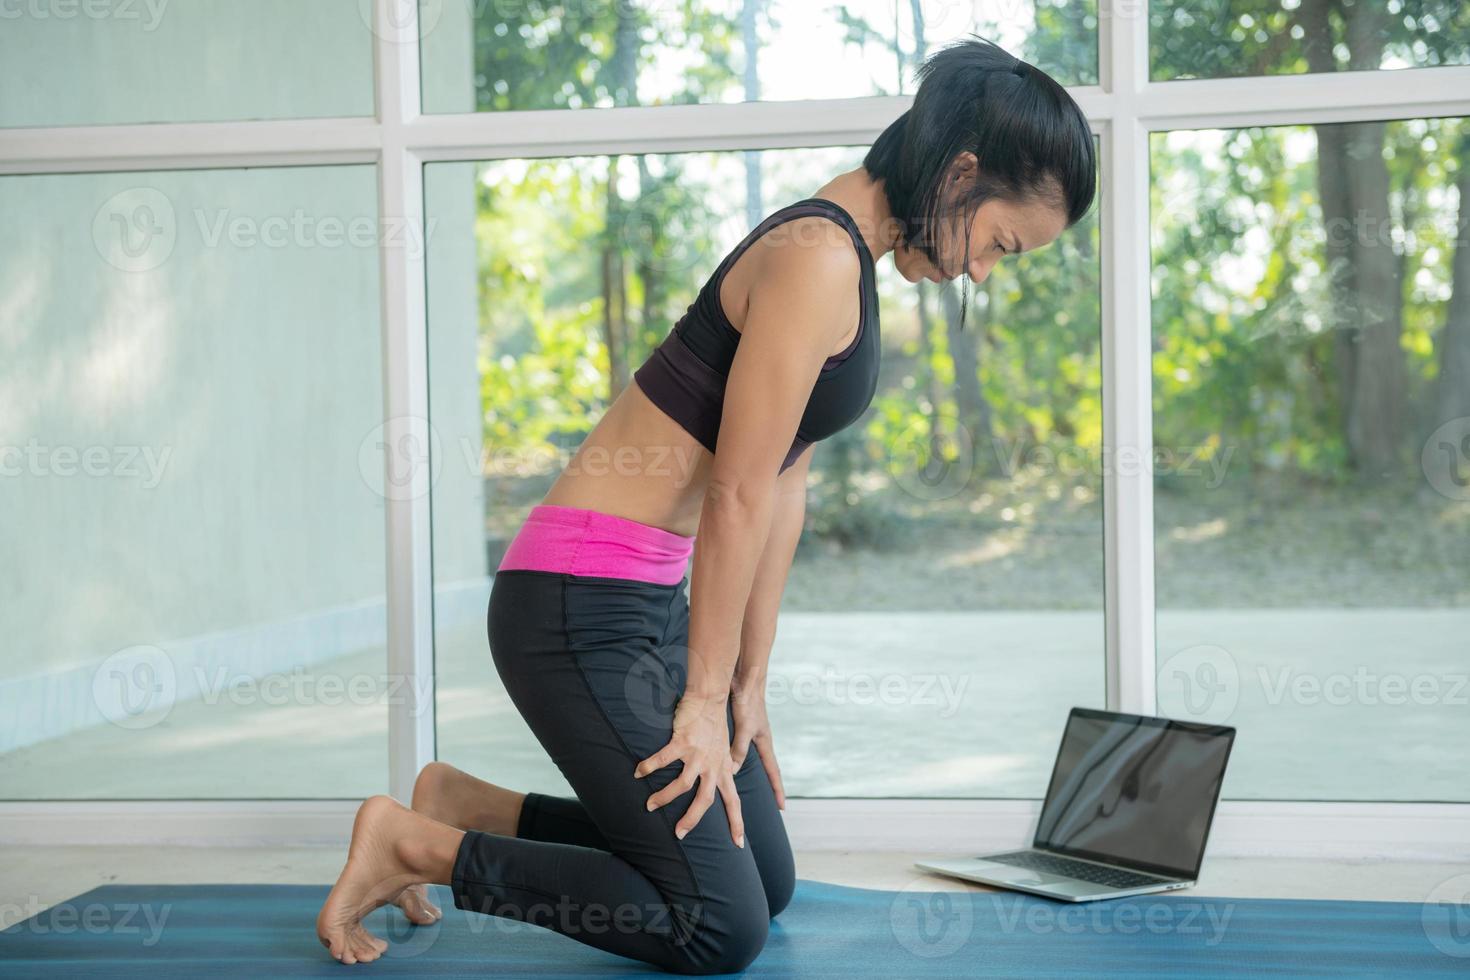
(1134, 792)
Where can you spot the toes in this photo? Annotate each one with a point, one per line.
(366, 947)
(417, 908)
(354, 945)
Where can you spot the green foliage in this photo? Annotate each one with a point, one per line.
(1228, 38)
(854, 521)
(1246, 331)
(843, 514)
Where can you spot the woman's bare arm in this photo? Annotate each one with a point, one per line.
(758, 633)
(806, 302)
(758, 630)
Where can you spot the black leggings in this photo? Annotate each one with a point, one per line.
(595, 666)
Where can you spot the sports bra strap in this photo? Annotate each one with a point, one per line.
(803, 208)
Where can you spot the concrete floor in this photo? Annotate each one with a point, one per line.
(36, 877)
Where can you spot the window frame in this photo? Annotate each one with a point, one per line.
(1124, 109)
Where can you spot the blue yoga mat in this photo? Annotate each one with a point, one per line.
(165, 931)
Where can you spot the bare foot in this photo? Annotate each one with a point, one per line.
(376, 872)
(414, 901)
(456, 798)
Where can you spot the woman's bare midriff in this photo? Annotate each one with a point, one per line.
(640, 464)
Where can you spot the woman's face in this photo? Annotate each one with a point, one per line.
(998, 228)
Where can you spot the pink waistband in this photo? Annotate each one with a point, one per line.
(588, 542)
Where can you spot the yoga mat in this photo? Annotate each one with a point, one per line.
(195, 931)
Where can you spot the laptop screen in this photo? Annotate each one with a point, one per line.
(1135, 790)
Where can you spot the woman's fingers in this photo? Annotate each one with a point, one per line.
(739, 746)
(697, 808)
(657, 761)
(680, 785)
(766, 749)
(704, 798)
(731, 797)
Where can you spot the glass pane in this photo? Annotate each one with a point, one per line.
(544, 55)
(85, 62)
(943, 612)
(1312, 421)
(190, 395)
(1227, 38)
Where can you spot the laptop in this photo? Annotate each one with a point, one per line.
(1127, 812)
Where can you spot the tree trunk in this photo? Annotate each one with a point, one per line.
(1362, 269)
(614, 290)
(647, 252)
(624, 65)
(964, 351)
(755, 208)
(1375, 422)
(1453, 401)
(921, 43)
(932, 391)
(964, 348)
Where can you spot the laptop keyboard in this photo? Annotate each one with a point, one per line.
(1083, 870)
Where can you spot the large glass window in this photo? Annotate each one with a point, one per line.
(195, 466)
(86, 62)
(537, 54)
(1223, 38)
(945, 607)
(192, 486)
(1312, 403)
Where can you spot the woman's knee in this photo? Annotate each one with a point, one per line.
(777, 867)
(733, 945)
(780, 886)
(724, 934)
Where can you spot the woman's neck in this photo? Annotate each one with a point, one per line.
(862, 197)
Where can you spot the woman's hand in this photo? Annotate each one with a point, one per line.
(748, 704)
(701, 740)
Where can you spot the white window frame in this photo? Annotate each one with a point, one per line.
(1124, 109)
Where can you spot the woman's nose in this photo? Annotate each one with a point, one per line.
(980, 268)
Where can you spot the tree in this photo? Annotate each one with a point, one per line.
(1453, 396)
(1364, 202)
(1353, 186)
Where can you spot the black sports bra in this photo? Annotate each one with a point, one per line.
(685, 375)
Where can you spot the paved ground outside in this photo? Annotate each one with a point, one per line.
(1350, 704)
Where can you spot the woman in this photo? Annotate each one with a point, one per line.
(633, 687)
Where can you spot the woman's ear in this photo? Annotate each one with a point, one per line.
(965, 166)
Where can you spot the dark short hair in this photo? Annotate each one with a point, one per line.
(1031, 138)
